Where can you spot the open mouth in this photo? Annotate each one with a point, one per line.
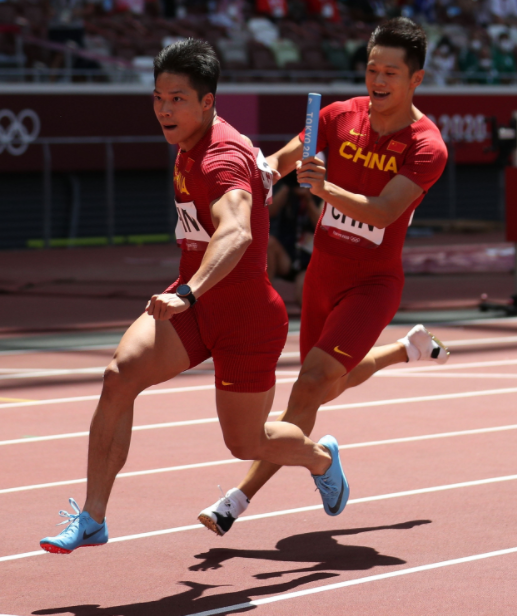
(380, 95)
(169, 126)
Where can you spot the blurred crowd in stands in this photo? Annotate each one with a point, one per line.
(470, 41)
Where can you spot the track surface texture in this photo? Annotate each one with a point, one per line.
(430, 528)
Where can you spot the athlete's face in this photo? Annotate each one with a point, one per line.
(388, 80)
(183, 117)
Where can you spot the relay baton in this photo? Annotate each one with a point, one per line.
(311, 127)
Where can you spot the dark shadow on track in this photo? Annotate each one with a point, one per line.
(190, 601)
(321, 548)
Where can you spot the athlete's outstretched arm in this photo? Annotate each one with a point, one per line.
(398, 194)
(284, 161)
(231, 215)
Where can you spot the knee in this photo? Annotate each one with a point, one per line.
(118, 379)
(316, 381)
(243, 450)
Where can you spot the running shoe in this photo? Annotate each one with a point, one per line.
(222, 514)
(333, 485)
(82, 531)
(421, 345)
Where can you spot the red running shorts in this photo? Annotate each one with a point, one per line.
(346, 305)
(243, 327)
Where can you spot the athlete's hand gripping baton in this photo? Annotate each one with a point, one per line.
(311, 127)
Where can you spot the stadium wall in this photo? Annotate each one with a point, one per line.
(472, 187)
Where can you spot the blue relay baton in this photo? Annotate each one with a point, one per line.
(311, 127)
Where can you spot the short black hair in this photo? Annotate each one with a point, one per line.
(404, 33)
(194, 58)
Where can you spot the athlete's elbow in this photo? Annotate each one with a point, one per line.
(383, 220)
(243, 239)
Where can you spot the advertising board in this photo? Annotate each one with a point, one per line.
(31, 114)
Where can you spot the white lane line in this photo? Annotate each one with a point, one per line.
(274, 514)
(363, 580)
(47, 373)
(169, 469)
(465, 394)
(173, 390)
(29, 373)
(101, 347)
(448, 375)
(452, 366)
(170, 424)
(335, 407)
(453, 344)
(25, 373)
(147, 392)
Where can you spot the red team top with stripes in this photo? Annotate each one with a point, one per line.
(220, 162)
(360, 161)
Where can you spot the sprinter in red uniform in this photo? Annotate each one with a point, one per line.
(383, 155)
(222, 305)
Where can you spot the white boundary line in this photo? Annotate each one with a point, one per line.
(274, 514)
(364, 580)
(456, 344)
(175, 390)
(147, 392)
(448, 366)
(169, 469)
(24, 373)
(451, 343)
(335, 407)
(448, 375)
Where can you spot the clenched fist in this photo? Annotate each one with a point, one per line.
(163, 307)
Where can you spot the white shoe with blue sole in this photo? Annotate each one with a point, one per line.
(82, 531)
(333, 485)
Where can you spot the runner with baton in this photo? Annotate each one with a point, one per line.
(383, 155)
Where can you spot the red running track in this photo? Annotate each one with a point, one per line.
(430, 528)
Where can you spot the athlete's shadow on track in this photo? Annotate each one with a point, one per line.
(321, 548)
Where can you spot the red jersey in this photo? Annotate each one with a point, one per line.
(221, 161)
(361, 162)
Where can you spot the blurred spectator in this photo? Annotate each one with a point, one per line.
(468, 58)
(263, 30)
(358, 61)
(294, 214)
(136, 7)
(273, 8)
(228, 13)
(441, 63)
(287, 53)
(486, 66)
(503, 11)
(364, 10)
(327, 9)
(504, 58)
(425, 10)
(336, 54)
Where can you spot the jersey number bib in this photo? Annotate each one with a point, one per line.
(346, 229)
(190, 235)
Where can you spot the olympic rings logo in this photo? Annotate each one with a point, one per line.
(14, 132)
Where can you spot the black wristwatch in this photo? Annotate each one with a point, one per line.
(185, 292)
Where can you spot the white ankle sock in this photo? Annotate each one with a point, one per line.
(413, 353)
(239, 498)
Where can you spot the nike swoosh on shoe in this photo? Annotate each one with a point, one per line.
(335, 508)
(88, 535)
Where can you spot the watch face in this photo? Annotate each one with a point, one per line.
(183, 290)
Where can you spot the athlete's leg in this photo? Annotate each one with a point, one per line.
(317, 376)
(249, 437)
(149, 353)
(378, 358)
